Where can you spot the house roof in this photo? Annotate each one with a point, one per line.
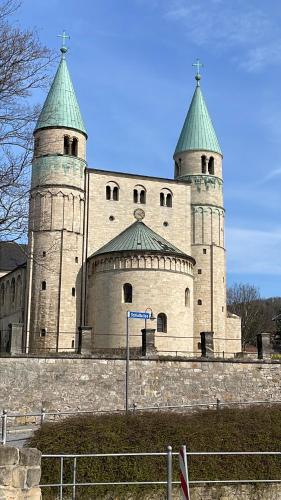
(198, 132)
(139, 237)
(12, 255)
(61, 107)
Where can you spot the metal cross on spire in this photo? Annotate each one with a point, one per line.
(63, 37)
(197, 65)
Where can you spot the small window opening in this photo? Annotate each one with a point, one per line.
(108, 192)
(74, 146)
(211, 168)
(13, 290)
(199, 271)
(199, 302)
(203, 164)
(222, 308)
(162, 323)
(111, 218)
(162, 199)
(127, 293)
(66, 145)
(73, 292)
(44, 253)
(135, 195)
(36, 146)
(169, 200)
(72, 344)
(205, 250)
(187, 297)
(43, 332)
(44, 285)
(178, 168)
(142, 197)
(76, 260)
(115, 193)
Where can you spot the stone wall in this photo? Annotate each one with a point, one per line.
(98, 384)
(20, 472)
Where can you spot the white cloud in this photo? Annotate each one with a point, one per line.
(253, 251)
(224, 25)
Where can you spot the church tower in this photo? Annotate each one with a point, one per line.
(56, 218)
(198, 161)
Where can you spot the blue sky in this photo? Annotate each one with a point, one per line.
(131, 64)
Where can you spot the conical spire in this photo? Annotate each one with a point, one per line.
(198, 132)
(61, 108)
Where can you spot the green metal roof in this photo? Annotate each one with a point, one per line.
(61, 108)
(139, 237)
(198, 132)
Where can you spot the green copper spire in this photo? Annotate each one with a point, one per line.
(198, 132)
(61, 108)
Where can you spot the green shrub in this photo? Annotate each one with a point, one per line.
(252, 429)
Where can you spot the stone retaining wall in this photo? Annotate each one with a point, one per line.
(20, 472)
(96, 384)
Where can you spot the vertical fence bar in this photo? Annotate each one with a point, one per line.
(4, 427)
(169, 472)
(61, 478)
(43, 415)
(74, 479)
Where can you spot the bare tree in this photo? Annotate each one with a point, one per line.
(244, 300)
(23, 67)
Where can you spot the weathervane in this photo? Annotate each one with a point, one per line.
(63, 37)
(198, 65)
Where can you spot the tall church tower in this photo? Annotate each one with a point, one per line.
(56, 218)
(198, 161)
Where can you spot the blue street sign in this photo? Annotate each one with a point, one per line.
(138, 315)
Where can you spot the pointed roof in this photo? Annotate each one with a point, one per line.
(139, 237)
(198, 132)
(61, 108)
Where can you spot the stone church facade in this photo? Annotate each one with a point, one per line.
(102, 243)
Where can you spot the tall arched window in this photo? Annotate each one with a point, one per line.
(2, 294)
(13, 290)
(203, 164)
(115, 193)
(178, 168)
(108, 192)
(211, 165)
(112, 191)
(169, 202)
(44, 285)
(66, 145)
(74, 146)
(166, 198)
(139, 194)
(127, 293)
(162, 323)
(187, 297)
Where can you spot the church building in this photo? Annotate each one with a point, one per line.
(103, 243)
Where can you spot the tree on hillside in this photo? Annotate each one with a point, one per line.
(23, 67)
(244, 300)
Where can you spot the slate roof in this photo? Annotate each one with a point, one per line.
(139, 237)
(12, 255)
(61, 108)
(198, 132)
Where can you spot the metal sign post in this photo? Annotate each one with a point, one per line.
(131, 315)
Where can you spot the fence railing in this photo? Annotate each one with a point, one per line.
(10, 420)
(171, 459)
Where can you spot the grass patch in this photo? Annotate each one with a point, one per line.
(252, 429)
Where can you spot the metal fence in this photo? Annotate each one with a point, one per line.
(171, 459)
(13, 423)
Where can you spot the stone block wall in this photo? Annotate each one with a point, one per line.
(99, 384)
(20, 472)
